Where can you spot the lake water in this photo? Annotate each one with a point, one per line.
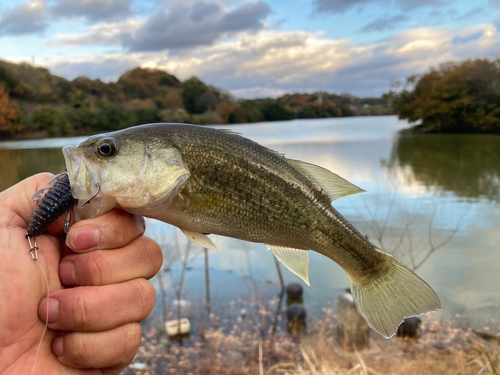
(432, 200)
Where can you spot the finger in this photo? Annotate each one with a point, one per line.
(112, 230)
(113, 349)
(98, 308)
(18, 197)
(142, 258)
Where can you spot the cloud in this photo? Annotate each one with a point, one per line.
(25, 18)
(92, 10)
(338, 6)
(199, 25)
(103, 34)
(246, 17)
(384, 23)
(271, 62)
(107, 68)
(342, 6)
(459, 39)
(201, 10)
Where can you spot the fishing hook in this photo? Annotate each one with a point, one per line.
(92, 197)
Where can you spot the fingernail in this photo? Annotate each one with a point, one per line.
(58, 346)
(52, 310)
(67, 274)
(83, 238)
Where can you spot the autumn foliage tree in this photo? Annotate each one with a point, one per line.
(48, 104)
(456, 97)
(8, 114)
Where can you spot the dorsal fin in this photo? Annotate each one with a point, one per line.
(333, 185)
(235, 134)
(296, 260)
(231, 132)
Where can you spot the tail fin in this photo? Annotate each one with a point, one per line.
(385, 301)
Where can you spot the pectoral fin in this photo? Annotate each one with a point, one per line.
(333, 185)
(200, 239)
(296, 260)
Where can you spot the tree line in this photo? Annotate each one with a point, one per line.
(459, 97)
(35, 102)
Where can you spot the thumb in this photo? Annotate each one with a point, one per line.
(17, 198)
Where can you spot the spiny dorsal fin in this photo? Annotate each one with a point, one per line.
(235, 134)
(231, 132)
(333, 185)
(296, 260)
(200, 239)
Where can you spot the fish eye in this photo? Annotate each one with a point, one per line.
(107, 148)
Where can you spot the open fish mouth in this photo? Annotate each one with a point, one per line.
(83, 181)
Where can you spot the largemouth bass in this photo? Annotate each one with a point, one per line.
(205, 181)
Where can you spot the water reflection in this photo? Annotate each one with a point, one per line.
(410, 179)
(467, 165)
(16, 165)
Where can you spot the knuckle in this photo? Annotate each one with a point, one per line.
(122, 230)
(96, 268)
(81, 313)
(145, 293)
(79, 349)
(132, 340)
(152, 251)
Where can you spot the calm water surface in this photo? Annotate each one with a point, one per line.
(424, 192)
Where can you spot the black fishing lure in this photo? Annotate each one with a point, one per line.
(56, 200)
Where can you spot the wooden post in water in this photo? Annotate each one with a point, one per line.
(280, 302)
(164, 304)
(352, 330)
(207, 280)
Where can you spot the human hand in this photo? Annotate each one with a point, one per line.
(98, 289)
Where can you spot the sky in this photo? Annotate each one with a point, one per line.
(262, 48)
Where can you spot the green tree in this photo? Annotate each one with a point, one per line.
(457, 97)
(83, 118)
(51, 119)
(112, 116)
(179, 115)
(273, 111)
(253, 110)
(192, 95)
(146, 115)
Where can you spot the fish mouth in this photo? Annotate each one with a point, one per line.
(83, 180)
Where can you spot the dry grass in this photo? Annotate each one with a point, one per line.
(479, 359)
(423, 363)
(441, 350)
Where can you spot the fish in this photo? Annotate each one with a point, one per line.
(211, 181)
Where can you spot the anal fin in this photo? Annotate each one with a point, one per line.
(296, 260)
(200, 239)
